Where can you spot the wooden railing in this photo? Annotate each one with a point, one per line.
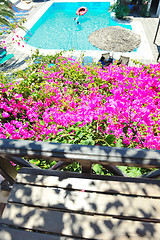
(18, 151)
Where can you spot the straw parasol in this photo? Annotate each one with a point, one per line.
(115, 39)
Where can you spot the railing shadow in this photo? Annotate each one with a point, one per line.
(55, 206)
(125, 208)
(84, 154)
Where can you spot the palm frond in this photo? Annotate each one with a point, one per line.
(6, 12)
(5, 22)
(5, 3)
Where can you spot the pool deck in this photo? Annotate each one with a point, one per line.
(146, 53)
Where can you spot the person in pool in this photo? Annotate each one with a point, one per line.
(76, 19)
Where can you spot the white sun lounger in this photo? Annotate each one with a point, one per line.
(25, 6)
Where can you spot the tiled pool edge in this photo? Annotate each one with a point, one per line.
(144, 51)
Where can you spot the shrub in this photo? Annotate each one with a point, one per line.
(67, 103)
(120, 10)
(143, 9)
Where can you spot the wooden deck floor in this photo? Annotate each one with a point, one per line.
(3, 196)
(3, 200)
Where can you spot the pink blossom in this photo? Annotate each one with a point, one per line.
(5, 114)
(126, 101)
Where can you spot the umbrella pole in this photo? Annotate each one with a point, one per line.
(112, 54)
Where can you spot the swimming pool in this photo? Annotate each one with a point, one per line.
(56, 29)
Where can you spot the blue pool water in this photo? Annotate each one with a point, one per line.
(56, 29)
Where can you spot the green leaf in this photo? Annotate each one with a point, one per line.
(87, 142)
(110, 139)
(125, 129)
(97, 168)
(119, 143)
(123, 169)
(42, 122)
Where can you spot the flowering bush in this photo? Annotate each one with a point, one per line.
(68, 103)
(144, 11)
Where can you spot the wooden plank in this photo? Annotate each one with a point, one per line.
(22, 162)
(60, 165)
(115, 170)
(153, 174)
(2, 206)
(81, 153)
(82, 201)
(5, 186)
(7, 233)
(86, 168)
(78, 225)
(8, 170)
(4, 196)
(69, 180)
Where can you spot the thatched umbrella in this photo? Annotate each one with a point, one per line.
(115, 39)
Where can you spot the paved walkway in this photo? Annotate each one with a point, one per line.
(150, 27)
(147, 53)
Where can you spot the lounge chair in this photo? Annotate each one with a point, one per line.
(51, 65)
(3, 52)
(20, 7)
(106, 55)
(6, 58)
(15, 9)
(87, 60)
(24, 6)
(16, 19)
(106, 60)
(73, 59)
(14, 2)
(3, 30)
(38, 60)
(123, 60)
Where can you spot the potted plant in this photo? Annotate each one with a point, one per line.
(120, 8)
